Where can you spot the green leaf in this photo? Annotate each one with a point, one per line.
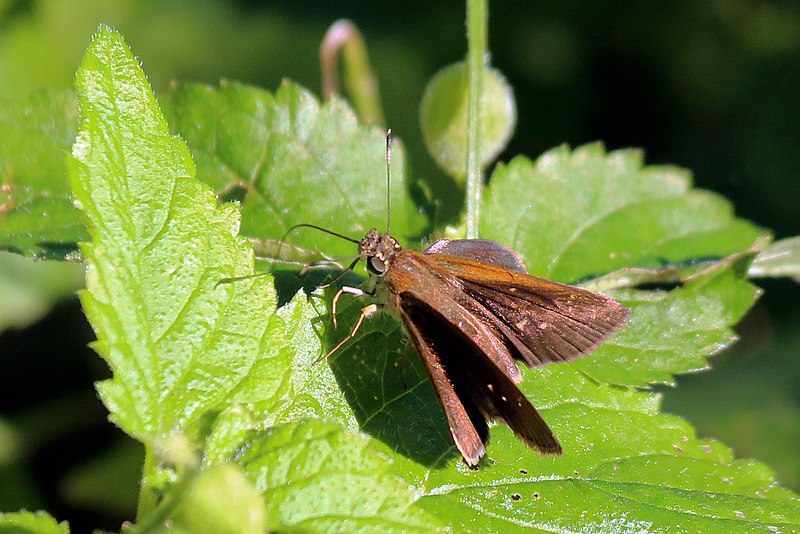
(291, 160)
(317, 478)
(31, 523)
(781, 258)
(241, 138)
(624, 463)
(584, 212)
(674, 332)
(37, 218)
(313, 475)
(656, 492)
(625, 468)
(443, 117)
(181, 344)
(189, 353)
(387, 387)
(284, 387)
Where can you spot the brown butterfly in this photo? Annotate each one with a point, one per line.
(472, 311)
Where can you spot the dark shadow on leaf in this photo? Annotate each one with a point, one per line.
(288, 281)
(385, 383)
(235, 193)
(52, 250)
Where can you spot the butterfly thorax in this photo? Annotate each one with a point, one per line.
(378, 251)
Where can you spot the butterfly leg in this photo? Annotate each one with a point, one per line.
(308, 266)
(346, 289)
(366, 311)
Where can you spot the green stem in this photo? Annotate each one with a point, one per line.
(477, 23)
(147, 500)
(152, 511)
(361, 82)
(160, 513)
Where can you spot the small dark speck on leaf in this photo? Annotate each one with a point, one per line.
(523, 472)
(516, 496)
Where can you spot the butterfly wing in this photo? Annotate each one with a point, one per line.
(470, 361)
(471, 319)
(470, 387)
(544, 321)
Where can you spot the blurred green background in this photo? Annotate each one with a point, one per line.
(713, 86)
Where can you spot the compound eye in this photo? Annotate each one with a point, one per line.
(375, 265)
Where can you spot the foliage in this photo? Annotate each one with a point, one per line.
(216, 381)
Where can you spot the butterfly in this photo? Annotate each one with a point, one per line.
(473, 311)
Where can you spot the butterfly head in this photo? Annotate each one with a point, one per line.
(378, 251)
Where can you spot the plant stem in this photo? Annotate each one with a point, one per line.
(362, 85)
(160, 512)
(147, 500)
(477, 23)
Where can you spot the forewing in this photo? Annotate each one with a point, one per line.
(416, 274)
(553, 321)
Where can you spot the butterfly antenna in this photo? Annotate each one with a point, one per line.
(315, 227)
(388, 179)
